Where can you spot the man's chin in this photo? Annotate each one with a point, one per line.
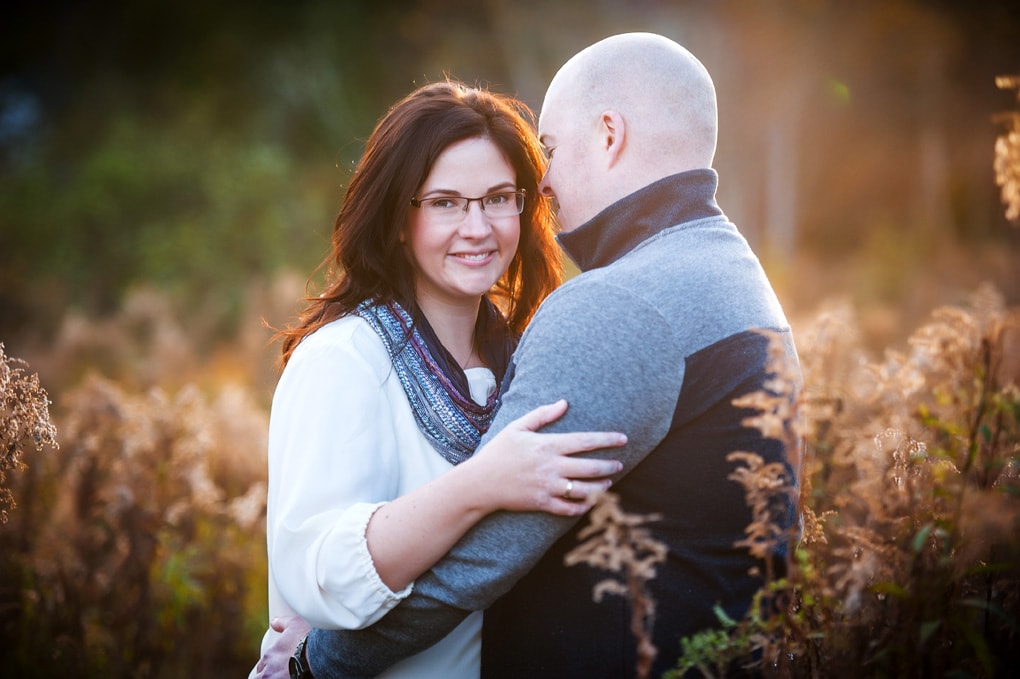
(566, 226)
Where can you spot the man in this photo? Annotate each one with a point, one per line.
(655, 338)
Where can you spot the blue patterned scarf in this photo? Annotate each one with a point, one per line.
(435, 385)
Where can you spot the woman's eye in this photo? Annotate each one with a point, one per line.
(443, 203)
(496, 199)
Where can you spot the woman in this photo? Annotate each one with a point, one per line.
(441, 254)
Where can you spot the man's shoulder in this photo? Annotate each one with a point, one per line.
(691, 241)
(594, 302)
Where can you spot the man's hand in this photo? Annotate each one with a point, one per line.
(273, 663)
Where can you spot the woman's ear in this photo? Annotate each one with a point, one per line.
(613, 135)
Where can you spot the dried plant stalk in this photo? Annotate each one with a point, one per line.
(24, 422)
(1007, 154)
(617, 542)
(908, 562)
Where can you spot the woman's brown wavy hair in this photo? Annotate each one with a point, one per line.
(367, 261)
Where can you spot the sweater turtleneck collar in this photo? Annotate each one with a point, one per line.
(633, 219)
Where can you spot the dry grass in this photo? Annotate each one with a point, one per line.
(908, 562)
(137, 548)
(24, 422)
(1007, 154)
(620, 543)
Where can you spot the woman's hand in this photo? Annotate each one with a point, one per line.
(518, 470)
(523, 470)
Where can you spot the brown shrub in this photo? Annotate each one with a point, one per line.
(24, 422)
(908, 562)
(144, 551)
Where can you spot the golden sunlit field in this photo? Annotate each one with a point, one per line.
(136, 547)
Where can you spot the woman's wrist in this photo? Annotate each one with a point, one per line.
(472, 483)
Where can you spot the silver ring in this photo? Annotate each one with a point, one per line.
(570, 487)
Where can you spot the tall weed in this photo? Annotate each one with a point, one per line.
(1007, 153)
(139, 550)
(908, 559)
(24, 421)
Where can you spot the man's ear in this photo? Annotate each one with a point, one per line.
(613, 135)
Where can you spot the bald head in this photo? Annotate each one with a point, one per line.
(622, 114)
(663, 94)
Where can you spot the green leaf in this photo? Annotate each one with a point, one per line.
(889, 588)
(928, 629)
(995, 610)
(922, 537)
(726, 620)
(980, 647)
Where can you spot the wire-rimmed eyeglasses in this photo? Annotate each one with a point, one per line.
(448, 209)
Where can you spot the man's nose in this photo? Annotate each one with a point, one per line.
(544, 188)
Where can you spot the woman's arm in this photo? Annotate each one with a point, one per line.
(629, 392)
(331, 464)
(520, 470)
(342, 551)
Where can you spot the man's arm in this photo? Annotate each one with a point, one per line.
(581, 347)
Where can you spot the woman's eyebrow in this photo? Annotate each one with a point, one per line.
(453, 192)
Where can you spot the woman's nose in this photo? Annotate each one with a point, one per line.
(475, 222)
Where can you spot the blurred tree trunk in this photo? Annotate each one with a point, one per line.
(781, 175)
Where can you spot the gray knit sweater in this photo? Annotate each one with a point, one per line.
(655, 338)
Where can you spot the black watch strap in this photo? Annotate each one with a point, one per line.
(298, 664)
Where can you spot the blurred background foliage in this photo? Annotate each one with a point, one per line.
(198, 147)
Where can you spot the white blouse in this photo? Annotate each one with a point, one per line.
(342, 442)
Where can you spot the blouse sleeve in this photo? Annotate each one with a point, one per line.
(330, 468)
